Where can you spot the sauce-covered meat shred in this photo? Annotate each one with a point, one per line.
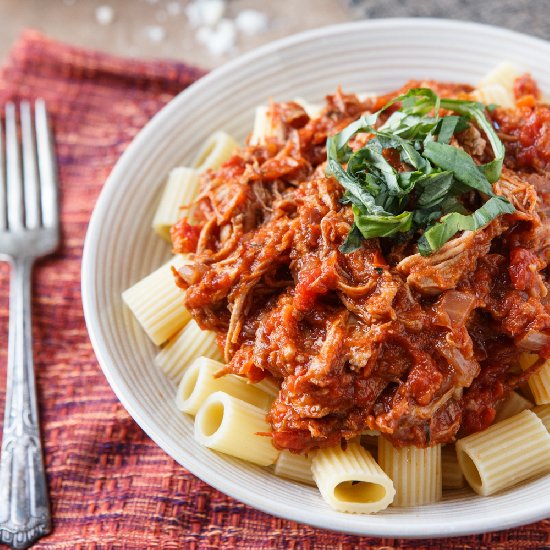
(421, 348)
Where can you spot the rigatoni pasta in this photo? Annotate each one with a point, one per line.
(294, 466)
(232, 426)
(494, 94)
(350, 480)
(504, 74)
(190, 344)
(263, 125)
(505, 454)
(157, 303)
(215, 151)
(539, 383)
(451, 473)
(268, 386)
(199, 382)
(512, 406)
(179, 192)
(543, 412)
(246, 282)
(313, 110)
(415, 472)
(497, 87)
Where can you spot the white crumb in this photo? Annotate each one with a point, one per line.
(155, 33)
(251, 22)
(219, 40)
(104, 15)
(205, 12)
(173, 8)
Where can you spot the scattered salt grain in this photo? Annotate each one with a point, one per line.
(251, 22)
(205, 12)
(104, 15)
(155, 33)
(219, 40)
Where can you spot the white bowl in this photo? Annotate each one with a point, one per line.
(121, 248)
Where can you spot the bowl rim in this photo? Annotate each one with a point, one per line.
(245, 494)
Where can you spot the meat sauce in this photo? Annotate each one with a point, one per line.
(420, 348)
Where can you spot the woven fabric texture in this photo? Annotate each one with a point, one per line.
(110, 485)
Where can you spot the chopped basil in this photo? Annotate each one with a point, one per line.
(387, 202)
(453, 223)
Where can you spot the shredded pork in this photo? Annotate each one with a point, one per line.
(418, 347)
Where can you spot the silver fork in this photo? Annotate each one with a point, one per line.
(29, 229)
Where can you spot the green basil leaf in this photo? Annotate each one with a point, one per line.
(354, 188)
(374, 161)
(435, 237)
(362, 124)
(435, 187)
(382, 226)
(447, 128)
(460, 163)
(381, 197)
(353, 241)
(408, 152)
(474, 110)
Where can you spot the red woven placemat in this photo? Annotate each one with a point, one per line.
(110, 485)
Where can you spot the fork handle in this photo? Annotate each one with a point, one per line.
(24, 508)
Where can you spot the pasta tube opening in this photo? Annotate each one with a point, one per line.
(235, 427)
(471, 472)
(505, 454)
(212, 418)
(350, 480)
(359, 491)
(199, 381)
(188, 384)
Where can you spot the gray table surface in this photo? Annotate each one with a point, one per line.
(528, 16)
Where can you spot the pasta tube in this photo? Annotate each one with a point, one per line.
(494, 94)
(313, 110)
(539, 383)
(157, 304)
(504, 74)
(497, 86)
(505, 454)
(451, 474)
(512, 406)
(190, 344)
(179, 192)
(350, 480)
(416, 473)
(215, 151)
(262, 125)
(268, 386)
(198, 383)
(543, 412)
(295, 467)
(231, 426)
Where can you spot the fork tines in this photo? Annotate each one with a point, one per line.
(28, 190)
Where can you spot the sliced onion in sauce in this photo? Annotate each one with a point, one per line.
(534, 340)
(457, 305)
